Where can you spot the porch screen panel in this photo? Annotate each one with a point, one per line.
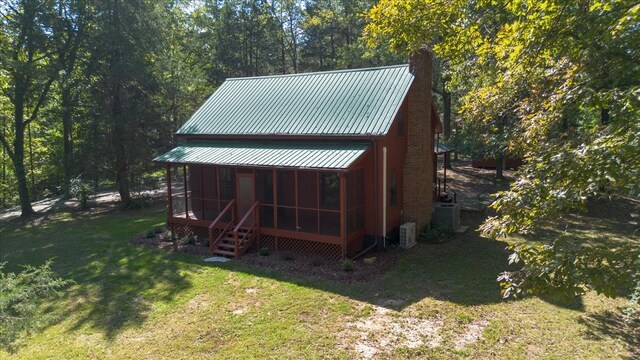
(177, 189)
(329, 189)
(286, 218)
(209, 192)
(264, 194)
(286, 195)
(330, 223)
(308, 201)
(227, 179)
(286, 188)
(308, 221)
(308, 189)
(194, 191)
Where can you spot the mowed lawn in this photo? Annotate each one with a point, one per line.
(439, 301)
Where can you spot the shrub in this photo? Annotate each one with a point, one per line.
(22, 293)
(80, 190)
(187, 240)
(166, 235)
(435, 233)
(151, 234)
(347, 265)
(265, 251)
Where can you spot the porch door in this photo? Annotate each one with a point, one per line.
(246, 195)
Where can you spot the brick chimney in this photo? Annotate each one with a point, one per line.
(418, 166)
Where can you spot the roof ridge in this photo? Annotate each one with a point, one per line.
(318, 72)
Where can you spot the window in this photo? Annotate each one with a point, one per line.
(329, 190)
(401, 121)
(393, 189)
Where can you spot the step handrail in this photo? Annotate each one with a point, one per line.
(214, 223)
(237, 241)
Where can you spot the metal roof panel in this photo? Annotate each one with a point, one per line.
(347, 102)
(338, 156)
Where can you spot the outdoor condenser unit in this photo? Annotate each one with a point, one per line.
(447, 214)
(407, 235)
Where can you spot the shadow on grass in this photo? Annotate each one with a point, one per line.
(115, 282)
(462, 271)
(609, 324)
(125, 281)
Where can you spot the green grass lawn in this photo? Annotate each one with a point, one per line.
(440, 301)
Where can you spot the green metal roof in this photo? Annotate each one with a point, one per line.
(441, 148)
(267, 154)
(347, 102)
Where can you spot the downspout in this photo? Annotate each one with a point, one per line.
(375, 201)
(384, 197)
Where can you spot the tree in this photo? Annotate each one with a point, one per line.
(69, 32)
(27, 49)
(123, 42)
(550, 68)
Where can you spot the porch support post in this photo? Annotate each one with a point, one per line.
(186, 197)
(343, 213)
(169, 195)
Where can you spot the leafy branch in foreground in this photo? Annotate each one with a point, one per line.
(566, 77)
(563, 268)
(21, 295)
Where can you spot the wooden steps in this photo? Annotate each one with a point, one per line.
(226, 245)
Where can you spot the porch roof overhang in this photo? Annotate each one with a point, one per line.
(338, 156)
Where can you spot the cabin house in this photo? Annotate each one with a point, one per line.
(327, 163)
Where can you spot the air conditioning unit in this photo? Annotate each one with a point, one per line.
(446, 214)
(407, 235)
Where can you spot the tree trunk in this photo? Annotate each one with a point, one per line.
(604, 116)
(446, 124)
(18, 157)
(67, 138)
(499, 167)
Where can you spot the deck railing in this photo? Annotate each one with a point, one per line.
(248, 229)
(215, 224)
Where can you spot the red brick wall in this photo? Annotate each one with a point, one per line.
(418, 164)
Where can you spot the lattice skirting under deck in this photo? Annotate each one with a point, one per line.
(182, 230)
(280, 243)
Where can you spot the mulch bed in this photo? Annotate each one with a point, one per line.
(313, 267)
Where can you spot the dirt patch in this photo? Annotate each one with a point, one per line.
(472, 334)
(385, 331)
